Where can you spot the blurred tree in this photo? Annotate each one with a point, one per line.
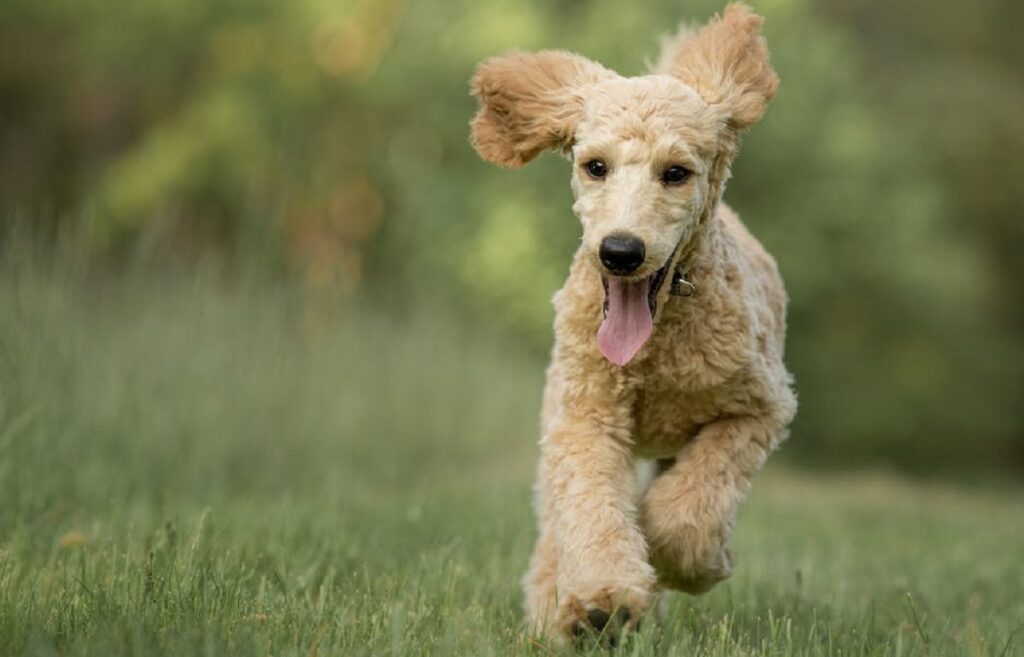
(950, 75)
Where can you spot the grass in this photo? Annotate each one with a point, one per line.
(186, 468)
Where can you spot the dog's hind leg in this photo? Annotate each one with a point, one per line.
(539, 583)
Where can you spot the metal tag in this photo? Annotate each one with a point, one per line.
(680, 286)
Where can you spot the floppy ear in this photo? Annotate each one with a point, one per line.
(529, 102)
(726, 62)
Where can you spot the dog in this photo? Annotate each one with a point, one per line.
(670, 330)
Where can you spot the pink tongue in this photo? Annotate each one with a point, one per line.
(628, 323)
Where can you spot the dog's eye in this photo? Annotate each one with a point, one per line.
(596, 168)
(675, 175)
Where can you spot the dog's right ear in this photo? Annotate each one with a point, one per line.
(529, 102)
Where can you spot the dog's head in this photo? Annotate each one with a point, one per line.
(651, 154)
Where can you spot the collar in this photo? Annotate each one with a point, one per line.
(680, 285)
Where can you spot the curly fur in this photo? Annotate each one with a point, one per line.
(708, 391)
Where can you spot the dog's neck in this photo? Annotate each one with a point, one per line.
(681, 276)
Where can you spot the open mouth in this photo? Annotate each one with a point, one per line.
(629, 309)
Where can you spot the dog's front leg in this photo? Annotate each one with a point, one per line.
(587, 489)
(688, 512)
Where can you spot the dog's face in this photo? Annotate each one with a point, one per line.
(650, 154)
(641, 156)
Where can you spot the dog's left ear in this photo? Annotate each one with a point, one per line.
(726, 62)
(529, 102)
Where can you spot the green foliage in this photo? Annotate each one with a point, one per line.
(188, 470)
(326, 143)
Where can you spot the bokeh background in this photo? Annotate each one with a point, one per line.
(321, 147)
(272, 337)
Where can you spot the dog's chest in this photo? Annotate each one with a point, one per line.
(666, 416)
(686, 382)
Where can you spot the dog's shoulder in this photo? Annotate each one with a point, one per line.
(762, 288)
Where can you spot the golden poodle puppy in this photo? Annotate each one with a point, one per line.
(669, 330)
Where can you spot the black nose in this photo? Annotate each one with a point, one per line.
(621, 253)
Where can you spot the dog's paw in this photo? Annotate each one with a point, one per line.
(601, 627)
(604, 614)
(693, 566)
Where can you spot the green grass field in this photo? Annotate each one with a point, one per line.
(187, 468)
